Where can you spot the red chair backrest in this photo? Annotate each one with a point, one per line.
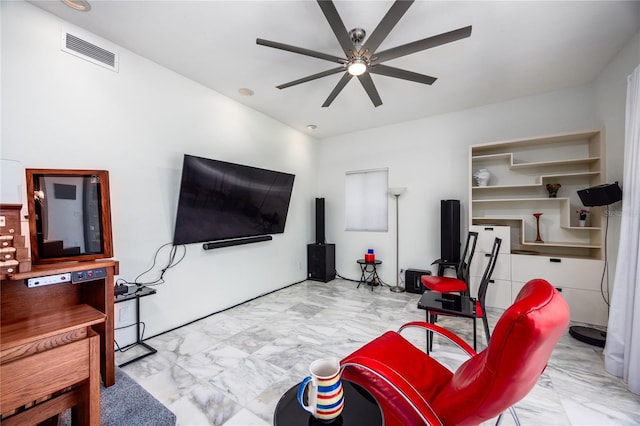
(506, 371)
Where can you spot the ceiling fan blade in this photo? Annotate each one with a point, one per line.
(336, 24)
(311, 77)
(370, 88)
(385, 26)
(403, 74)
(417, 46)
(336, 90)
(300, 50)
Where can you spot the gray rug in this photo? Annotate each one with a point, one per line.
(128, 403)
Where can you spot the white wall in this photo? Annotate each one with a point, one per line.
(430, 157)
(59, 111)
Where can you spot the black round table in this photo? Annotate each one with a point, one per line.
(369, 274)
(360, 408)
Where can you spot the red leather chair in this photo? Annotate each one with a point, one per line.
(459, 283)
(413, 388)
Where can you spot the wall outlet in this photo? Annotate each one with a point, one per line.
(123, 315)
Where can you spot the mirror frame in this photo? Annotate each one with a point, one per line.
(105, 214)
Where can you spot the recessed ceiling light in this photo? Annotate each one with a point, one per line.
(311, 126)
(245, 92)
(80, 5)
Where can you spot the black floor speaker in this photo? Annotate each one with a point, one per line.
(450, 230)
(412, 282)
(321, 262)
(320, 221)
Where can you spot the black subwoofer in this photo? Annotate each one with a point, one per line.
(321, 262)
(450, 230)
(412, 282)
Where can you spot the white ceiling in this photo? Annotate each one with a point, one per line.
(516, 49)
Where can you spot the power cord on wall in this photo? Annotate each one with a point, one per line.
(605, 269)
(170, 264)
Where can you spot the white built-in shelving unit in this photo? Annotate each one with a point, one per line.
(570, 256)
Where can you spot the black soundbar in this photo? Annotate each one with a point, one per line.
(237, 242)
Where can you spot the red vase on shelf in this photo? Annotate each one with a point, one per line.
(538, 238)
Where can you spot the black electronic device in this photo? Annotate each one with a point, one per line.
(412, 283)
(222, 201)
(321, 262)
(236, 242)
(601, 195)
(450, 230)
(320, 231)
(120, 289)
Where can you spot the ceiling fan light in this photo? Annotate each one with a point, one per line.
(357, 67)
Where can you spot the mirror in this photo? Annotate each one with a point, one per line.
(69, 215)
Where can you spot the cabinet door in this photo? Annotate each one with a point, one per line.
(487, 234)
(498, 292)
(578, 280)
(582, 274)
(502, 270)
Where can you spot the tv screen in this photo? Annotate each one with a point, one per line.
(220, 201)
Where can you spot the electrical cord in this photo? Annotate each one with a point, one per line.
(126, 348)
(382, 283)
(170, 264)
(605, 269)
(346, 279)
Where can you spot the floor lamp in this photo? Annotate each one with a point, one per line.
(396, 192)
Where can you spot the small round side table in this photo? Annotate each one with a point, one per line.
(360, 408)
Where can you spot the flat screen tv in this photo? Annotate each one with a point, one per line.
(222, 201)
(69, 215)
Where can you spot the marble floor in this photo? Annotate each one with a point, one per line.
(232, 367)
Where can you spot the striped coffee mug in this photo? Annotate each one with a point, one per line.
(324, 390)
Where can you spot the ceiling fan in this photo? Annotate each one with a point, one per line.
(362, 60)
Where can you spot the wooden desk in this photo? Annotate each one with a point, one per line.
(19, 302)
(49, 363)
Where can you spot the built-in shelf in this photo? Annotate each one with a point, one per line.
(570, 256)
(520, 171)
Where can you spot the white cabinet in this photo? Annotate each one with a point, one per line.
(499, 290)
(578, 279)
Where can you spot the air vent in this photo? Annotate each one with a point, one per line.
(83, 49)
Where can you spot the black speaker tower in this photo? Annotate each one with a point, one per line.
(450, 231)
(321, 257)
(320, 237)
